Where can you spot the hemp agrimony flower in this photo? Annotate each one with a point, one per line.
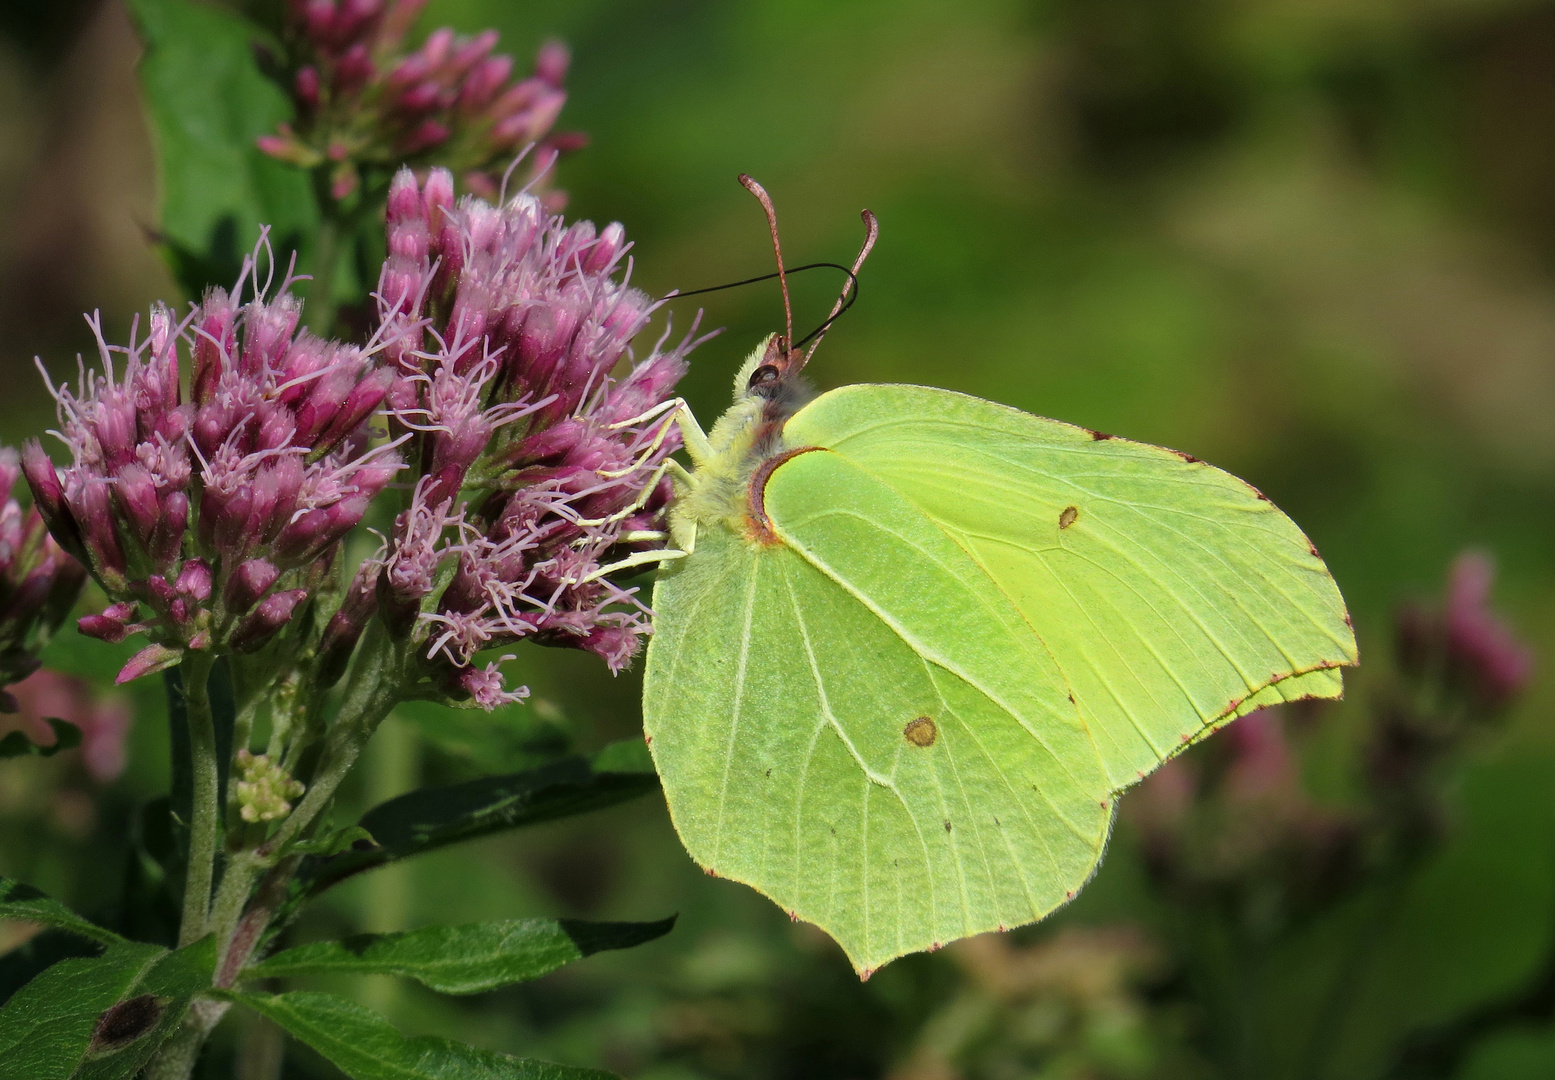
(363, 101)
(539, 442)
(209, 520)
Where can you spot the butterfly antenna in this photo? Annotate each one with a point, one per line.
(762, 197)
(871, 234)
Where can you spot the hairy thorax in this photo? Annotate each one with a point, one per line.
(747, 443)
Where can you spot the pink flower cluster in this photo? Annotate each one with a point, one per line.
(1477, 648)
(39, 582)
(361, 100)
(208, 521)
(539, 441)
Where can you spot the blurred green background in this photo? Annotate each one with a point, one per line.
(1310, 241)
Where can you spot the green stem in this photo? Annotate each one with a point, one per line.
(205, 826)
(321, 295)
(374, 689)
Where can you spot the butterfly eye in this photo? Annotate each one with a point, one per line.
(765, 375)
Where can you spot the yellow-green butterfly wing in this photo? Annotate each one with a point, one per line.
(1170, 593)
(901, 699)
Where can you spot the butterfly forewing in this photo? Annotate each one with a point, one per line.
(1171, 595)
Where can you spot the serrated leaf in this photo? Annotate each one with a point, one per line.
(365, 1046)
(119, 1049)
(208, 101)
(19, 901)
(464, 959)
(66, 737)
(101, 1018)
(435, 817)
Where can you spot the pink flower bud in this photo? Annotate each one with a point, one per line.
(483, 83)
(345, 626)
(306, 89)
(248, 583)
(136, 495)
(354, 69)
(552, 62)
(229, 531)
(215, 341)
(421, 98)
(356, 18)
(112, 626)
(437, 196)
(360, 403)
(268, 329)
(404, 202)
(262, 623)
(149, 661)
(427, 134)
(330, 393)
(92, 508)
(602, 256)
(48, 496)
(305, 535)
(194, 580)
(168, 537)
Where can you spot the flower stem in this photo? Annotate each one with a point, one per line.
(205, 826)
(321, 296)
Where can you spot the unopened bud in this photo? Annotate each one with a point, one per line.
(248, 583)
(265, 620)
(266, 790)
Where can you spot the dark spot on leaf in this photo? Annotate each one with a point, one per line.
(1068, 516)
(1313, 549)
(947, 824)
(1189, 458)
(921, 732)
(126, 1022)
(834, 830)
(1100, 435)
(1069, 895)
(1071, 698)
(769, 774)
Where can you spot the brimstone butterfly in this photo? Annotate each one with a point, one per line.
(920, 642)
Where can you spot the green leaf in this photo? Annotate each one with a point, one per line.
(333, 842)
(435, 817)
(101, 1018)
(66, 737)
(208, 101)
(365, 1046)
(463, 959)
(19, 901)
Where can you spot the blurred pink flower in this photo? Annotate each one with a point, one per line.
(104, 722)
(362, 99)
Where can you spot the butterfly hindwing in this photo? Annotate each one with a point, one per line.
(810, 749)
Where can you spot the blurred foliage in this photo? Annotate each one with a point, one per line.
(1309, 241)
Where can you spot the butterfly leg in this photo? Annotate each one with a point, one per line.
(637, 558)
(695, 440)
